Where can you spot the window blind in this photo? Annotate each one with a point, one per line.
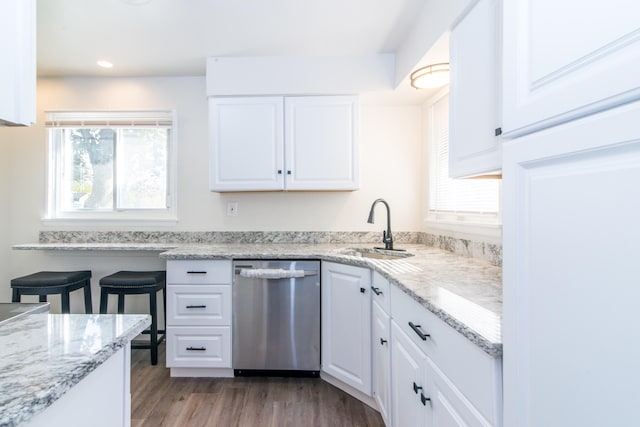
(96, 119)
(455, 195)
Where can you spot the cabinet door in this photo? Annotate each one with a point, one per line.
(18, 62)
(571, 293)
(321, 143)
(381, 354)
(567, 59)
(407, 380)
(346, 324)
(246, 152)
(474, 147)
(447, 405)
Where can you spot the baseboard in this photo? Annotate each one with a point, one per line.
(362, 397)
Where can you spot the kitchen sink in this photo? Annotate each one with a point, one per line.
(376, 253)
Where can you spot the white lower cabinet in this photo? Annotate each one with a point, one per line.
(407, 380)
(199, 317)
(346, 325)
(439, 378)
(381, 354)
(101, 399)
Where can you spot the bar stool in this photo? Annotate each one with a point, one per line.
(138, 282)
(46, 283)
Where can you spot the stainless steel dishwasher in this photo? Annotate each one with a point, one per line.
(276, 317)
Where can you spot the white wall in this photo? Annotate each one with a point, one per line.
(390, 168)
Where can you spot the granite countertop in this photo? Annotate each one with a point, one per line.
(43, 355)
(12, 310)
(464, 292)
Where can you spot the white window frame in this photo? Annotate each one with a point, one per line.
(463, 225)
(148, 217)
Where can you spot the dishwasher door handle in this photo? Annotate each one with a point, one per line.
(274, 273)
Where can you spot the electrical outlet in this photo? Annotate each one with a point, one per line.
(232, 209)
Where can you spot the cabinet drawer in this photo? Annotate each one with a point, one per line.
(476, 374)
(210, 272)
(380, 289)
(199, 347)
(199, 305)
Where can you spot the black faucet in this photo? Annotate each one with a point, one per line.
(387, 238)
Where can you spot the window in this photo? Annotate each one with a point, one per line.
(111, 165)
(456, 201)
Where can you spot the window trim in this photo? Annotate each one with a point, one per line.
(466, 225)
(149, 217)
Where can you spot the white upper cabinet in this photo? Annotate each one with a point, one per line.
(563, 60)
(284, 143)
(474, 144)
(18, 63)
(246, 143)
(321, 142)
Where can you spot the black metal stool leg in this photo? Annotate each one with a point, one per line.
(120, 303)
(104, 298)
(88, 305)
(153, 308)
(66, 309)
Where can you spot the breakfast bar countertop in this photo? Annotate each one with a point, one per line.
(42, 356)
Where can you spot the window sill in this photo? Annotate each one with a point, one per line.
(106, 222)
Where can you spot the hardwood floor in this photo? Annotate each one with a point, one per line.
(159, 400)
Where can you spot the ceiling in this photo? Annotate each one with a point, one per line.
(173, 37)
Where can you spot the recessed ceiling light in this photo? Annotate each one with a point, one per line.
(104, 64)
(136, 2)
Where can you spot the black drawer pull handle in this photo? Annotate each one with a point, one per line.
(196, 306)
(416, 388)
(376, 291)
(424, 399)
(196, 272)
(196, 348)
(382, 341)
(416, 329)
(362, 290)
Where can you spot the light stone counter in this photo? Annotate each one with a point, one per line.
(464, 292)
(42, 356)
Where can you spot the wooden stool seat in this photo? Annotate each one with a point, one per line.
(138, 282)
(46, 283)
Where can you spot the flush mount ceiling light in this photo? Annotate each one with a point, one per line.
(104, 64)
(431, 76)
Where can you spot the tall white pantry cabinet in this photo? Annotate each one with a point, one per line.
(17, 62)
(571, 168)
